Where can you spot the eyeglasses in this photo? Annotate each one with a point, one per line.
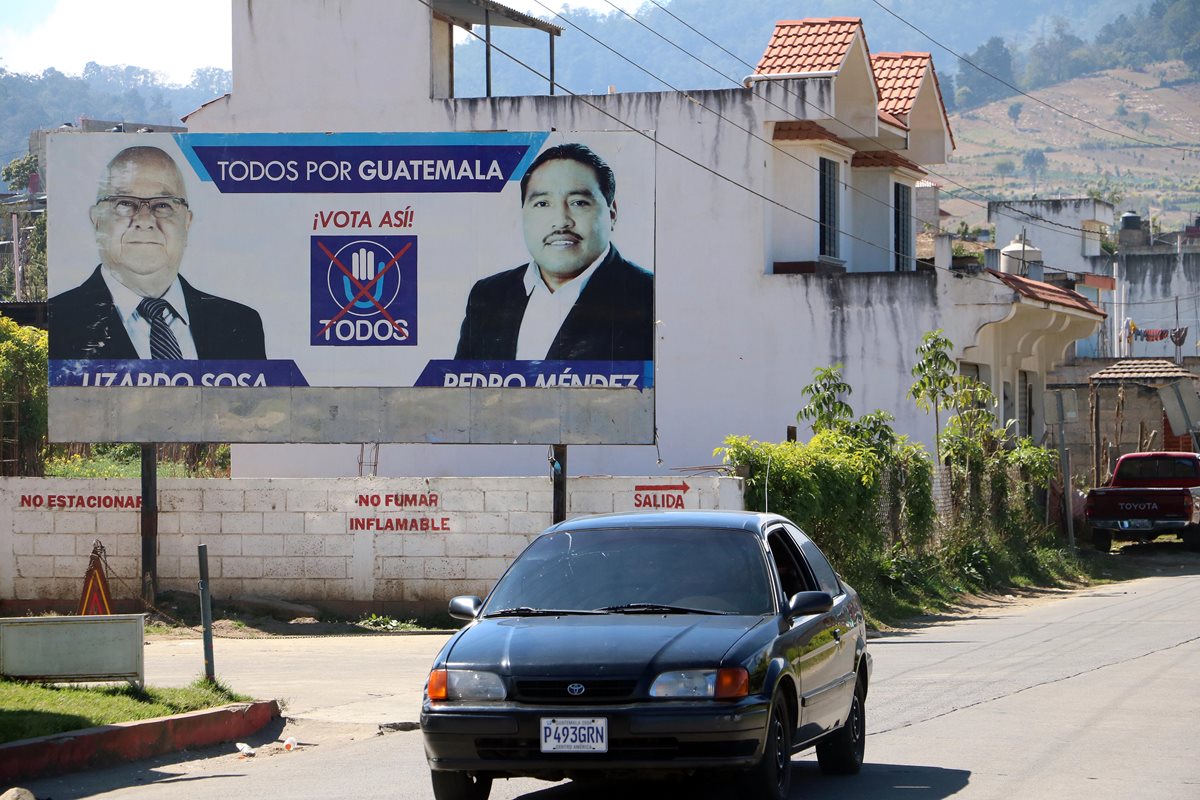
(124, 205)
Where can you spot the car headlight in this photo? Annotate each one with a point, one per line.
(720, 684)
(465, 684)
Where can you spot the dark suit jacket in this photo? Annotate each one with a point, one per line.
(613, 319)
(84, 323)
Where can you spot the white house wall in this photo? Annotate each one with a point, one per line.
(871, 204)
(1057, 228)
(929, 136)
(735, 345)
(1161, 290)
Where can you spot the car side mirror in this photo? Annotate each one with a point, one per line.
(802, 604)
(465, 606)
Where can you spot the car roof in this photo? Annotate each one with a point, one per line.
(730, 520)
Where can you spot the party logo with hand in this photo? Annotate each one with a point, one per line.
(364, 291)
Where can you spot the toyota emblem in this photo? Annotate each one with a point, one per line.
(576, 689)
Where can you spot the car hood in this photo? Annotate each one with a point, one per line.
(614, 644)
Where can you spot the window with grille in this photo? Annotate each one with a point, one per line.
(830, 201)
(903, 228)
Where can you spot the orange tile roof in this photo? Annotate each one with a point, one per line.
(808, 45)
(802, 131)
(899, 77)
(892, 119)
(1047, 293)
(884, 158)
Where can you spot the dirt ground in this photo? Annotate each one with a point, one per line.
(180, 612)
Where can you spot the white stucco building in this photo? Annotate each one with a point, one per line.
(784, 223)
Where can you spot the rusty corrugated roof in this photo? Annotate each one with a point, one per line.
(808, 45)
(1147, 370)
(1047, 293)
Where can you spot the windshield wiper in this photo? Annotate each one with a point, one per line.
(656, 608)
(527, 611)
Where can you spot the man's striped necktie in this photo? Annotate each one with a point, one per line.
(162, 342)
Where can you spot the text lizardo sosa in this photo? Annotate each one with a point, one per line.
(174, 379)
(478, 380)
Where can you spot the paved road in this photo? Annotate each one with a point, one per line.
(1091, 695)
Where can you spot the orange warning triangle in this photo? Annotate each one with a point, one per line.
(95, 599)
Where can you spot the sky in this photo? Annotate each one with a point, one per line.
(66, 34)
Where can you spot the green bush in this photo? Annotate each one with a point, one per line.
(865, 495)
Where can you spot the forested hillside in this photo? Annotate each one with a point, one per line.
(987, 54)
(29, 102)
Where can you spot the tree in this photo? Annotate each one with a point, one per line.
(987, 72)
(1190, 53)
(1005, 168)
(1106, 191)
(16, 173)
(1034, 162)
(23, 353)
(825, 406)
(34, 259)
(934, 371)
(1014, 112)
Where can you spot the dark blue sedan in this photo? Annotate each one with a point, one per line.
(652, 644)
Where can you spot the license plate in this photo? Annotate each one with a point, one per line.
(574, 735)
(1135, 524)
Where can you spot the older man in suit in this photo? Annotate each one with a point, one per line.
(577, 299)
(135, 304)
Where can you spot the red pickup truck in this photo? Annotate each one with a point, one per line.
(1149, 494)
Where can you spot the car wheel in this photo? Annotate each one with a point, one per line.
(1102, 539)
(461, 785)
(1191, 537)
(841, 752)
(771, 778)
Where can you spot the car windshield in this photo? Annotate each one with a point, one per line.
(638, 570)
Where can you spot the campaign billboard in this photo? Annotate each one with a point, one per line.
(458, 287)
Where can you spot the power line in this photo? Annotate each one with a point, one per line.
(806, 101)
(690, 160)
(713, 111)
(1050, 106)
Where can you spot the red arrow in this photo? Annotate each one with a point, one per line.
(665, 487)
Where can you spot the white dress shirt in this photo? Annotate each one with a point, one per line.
(126, 300)
(546, 310)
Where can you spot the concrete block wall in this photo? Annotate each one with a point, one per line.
(404, 542)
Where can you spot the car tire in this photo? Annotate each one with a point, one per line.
(841, 752)
(1191, 537)
(771, 777)
(461, 785)
(1102, 539)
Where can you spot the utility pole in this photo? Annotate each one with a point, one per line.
(18, 270)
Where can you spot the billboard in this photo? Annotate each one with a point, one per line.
(420, 287)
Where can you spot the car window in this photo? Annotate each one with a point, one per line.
(819, 566)
(791, 576)
(714, 570)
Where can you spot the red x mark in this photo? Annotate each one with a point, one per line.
(363, 291)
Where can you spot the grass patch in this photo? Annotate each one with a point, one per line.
(968, 562)
(31, 709)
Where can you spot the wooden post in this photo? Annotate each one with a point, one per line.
(149, 523)
(558, 470)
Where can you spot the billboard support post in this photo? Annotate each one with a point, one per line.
(558, 477)
(149, 522)
(206, 612)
